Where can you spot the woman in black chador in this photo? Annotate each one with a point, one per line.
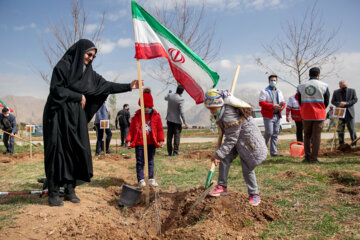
(76, 93)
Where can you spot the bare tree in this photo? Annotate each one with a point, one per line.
(66, 34)
(304, 44)
(186, 22)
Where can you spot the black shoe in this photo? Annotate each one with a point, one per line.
(5, 153)
(108, 151)
(70, 194)
(97, 154)
(306, 160)
(55, 201)
(277, 155)
(175, 154)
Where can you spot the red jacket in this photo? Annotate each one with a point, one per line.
(266, 102)
(293, 107)
(135, 136)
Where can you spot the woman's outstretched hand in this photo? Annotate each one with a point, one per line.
(135, 84)
(83, 101)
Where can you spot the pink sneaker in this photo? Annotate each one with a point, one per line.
(254, 200)
(218, 191)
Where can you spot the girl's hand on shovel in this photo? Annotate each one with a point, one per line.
(215, 160)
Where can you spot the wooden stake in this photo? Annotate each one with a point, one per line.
(232, 89)
(30, 146)
(334, 137)
(146, 167)
(104, 142)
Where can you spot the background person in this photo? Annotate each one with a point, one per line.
(345, 98)
(293, 107)
(313, 98)
(175, 113)
(102, 114)
(8, 124)
(329, 115)
(272, 102)
(76, 94)
(122, 121)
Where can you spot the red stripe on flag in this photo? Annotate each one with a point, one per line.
(149, 51)
(189, 84)
(2, 106)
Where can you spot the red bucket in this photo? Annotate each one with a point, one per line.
(297, 149)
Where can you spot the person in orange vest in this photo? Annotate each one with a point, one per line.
(293, 107)
(313, 99)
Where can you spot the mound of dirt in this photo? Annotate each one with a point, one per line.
(99, 217)
(347, 178)
(344, 150)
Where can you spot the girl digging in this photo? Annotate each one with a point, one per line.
(154, 137)
(242, 137)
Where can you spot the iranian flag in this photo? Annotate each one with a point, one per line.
(3, 105)
(153, 40)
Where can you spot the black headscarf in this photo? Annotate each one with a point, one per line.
(69, 74)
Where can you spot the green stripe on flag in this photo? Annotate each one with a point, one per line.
(140, 14)
(3, 103)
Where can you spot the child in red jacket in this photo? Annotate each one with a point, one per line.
(154, 137)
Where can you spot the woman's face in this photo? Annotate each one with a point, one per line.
(89, 56)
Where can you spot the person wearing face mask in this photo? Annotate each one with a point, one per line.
(345, 98)
(154, 138)
(272, 102)
(242, 138)
(8, 124)
(313, 97)
(76, 94)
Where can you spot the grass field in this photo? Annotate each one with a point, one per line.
(319, 201)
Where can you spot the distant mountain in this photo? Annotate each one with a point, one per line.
(27, 109)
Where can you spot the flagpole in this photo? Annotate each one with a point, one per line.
(146, 168)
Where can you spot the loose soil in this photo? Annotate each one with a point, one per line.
(98, 216)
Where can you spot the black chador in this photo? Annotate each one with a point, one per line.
(66, 140)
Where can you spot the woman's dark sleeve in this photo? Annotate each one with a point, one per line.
(57, 89)
(111, 87)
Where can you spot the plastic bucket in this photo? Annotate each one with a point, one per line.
(129, 196)
(297, 149)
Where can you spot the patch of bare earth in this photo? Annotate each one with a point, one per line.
(99, 217)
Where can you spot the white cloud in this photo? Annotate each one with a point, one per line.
(90, 28)
(24, 27)
(125, 42)
(107, 47)
(116, 16)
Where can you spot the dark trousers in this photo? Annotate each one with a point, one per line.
(350, 123)
(140, 161)
(174, 131)
(8, 143)
(100, 135)
(124, 132)
(312, 139)
(299, 131)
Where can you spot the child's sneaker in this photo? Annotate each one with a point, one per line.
(254, 200)
(153, 183)
(142, 183)
(218, 191)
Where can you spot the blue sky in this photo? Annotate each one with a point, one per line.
(242, 26)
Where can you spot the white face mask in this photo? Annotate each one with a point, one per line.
(6, 115)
